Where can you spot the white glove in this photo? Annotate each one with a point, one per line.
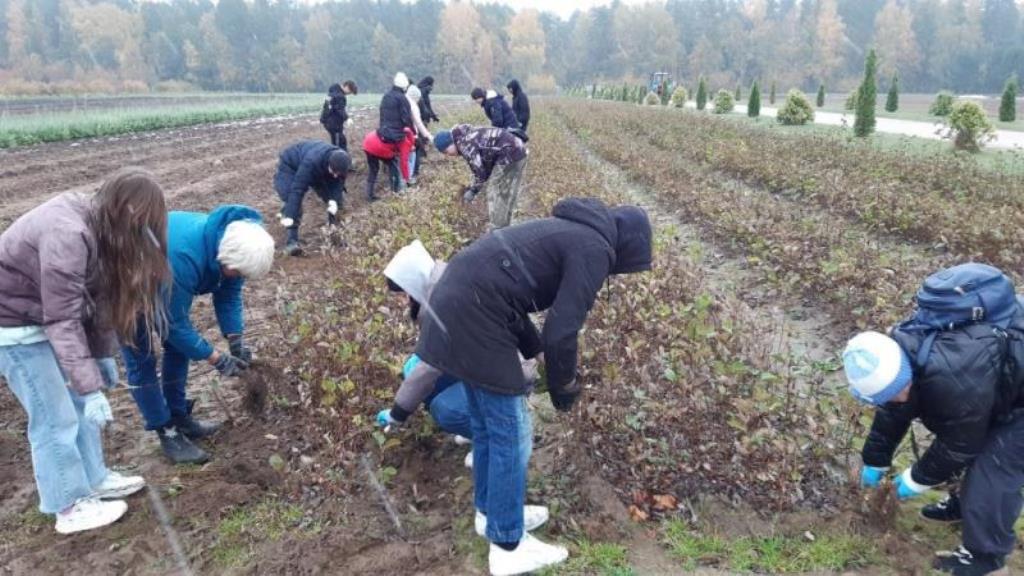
(332, 207)
(108, 370)
(287, 222)
(97, 409)
(349, 123)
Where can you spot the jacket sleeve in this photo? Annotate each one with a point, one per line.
(887, 431)
(481, 168)
(523, 109)
(417, 119)
(301, 182)
(530, 344)
(414, 390)
(227, 305)
(407, 114)
(63, 261)
(343, 108)
(582, 277)
(181, 334)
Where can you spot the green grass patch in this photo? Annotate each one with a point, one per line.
(774, 554)
(594, 559)
(29, 129)
(245, 527)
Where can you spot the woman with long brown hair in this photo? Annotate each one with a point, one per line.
(77, 273)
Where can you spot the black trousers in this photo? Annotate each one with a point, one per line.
(990, 496)
(373, 169)
(421, 153)
(338, 139)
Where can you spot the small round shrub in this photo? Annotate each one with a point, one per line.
(797, 109)
(724, 102)
(943, 104)
(968, 127)
(652, 99)
(679, 97)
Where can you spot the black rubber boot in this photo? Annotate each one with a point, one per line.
(179, 449)
(962, 563)
(195, 429)
(292, 247)
(946, 510)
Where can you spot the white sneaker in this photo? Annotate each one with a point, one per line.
(533, 517)
(332, 208)
(469, 460)
(116, 485)
(90, 513)
(530, 555)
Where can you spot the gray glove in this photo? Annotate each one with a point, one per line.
(228, 365)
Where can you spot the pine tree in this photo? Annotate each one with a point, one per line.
(821, 95)
(702, 94)
(892, 101)
(1008, 106)
(754, 104)
(771, 95)
(865, 122)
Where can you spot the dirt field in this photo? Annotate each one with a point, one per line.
(289, 490)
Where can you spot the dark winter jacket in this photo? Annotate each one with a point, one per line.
(193, 240)
(520, 103)
(478, 320)
(426, 109)
(395, 116)
(485, 148)
(307, 160)
(47, 278)
(499, 112)
(954, 395)
(334, 113)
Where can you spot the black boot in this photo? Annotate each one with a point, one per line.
(194, 429)
(179, 449)
(962, 563)
(292, 247)
(946, 510)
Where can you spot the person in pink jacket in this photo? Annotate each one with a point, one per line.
(79, 272)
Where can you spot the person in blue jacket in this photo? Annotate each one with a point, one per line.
(209, 254)
(496, 108)
(309, 164)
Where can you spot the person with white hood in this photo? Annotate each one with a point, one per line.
(395, 118)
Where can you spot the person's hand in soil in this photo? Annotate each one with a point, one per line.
(238, 348)
(871, 476)
(228, 365)
(385, 420)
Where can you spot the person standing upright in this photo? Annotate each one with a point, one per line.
(395, 118)
(426, 108)
(334, 116)
(520, 104)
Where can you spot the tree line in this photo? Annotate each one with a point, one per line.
(282, 45)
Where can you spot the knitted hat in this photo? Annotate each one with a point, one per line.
(410, 269)
(876, 367)
(477, 93)
(339, 162)
(443, 140)
(401, 80)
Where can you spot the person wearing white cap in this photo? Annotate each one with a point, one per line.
(395, 118)
(957, 395)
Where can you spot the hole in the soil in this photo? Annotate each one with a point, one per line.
(256, 379)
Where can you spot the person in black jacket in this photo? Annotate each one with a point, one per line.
(395, 113)
(334, 116)
(477, 324)
(496, 108)
(520, 104)
(309, 164)
(956, 395)
(426, 109)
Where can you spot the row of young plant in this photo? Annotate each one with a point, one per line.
(800, 246)
(685, 396)
(942, 201)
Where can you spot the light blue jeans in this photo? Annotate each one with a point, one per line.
(67, 450)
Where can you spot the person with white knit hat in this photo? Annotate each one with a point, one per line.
(951, 379)
(395, 119)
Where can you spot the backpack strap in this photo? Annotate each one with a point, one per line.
(925, 351)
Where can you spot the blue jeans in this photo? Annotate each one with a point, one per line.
(502, 443)
(67, 450)
(159, 400)
(412, 162)
(450, 410)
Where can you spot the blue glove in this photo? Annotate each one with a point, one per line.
(108, 370)
(906, 488)
(871, 476)
(384, 419)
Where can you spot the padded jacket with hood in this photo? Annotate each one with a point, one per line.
(47, 257)
(334, 113)
(485, 148)
(308, 163)
(478, 320)
(955, 395)
(498, 111)
(520, 103)
(426, 109)
(395, 116)
(193, 240)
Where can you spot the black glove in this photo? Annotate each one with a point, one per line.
(239, 349)
(566, 397)
(228, 365)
